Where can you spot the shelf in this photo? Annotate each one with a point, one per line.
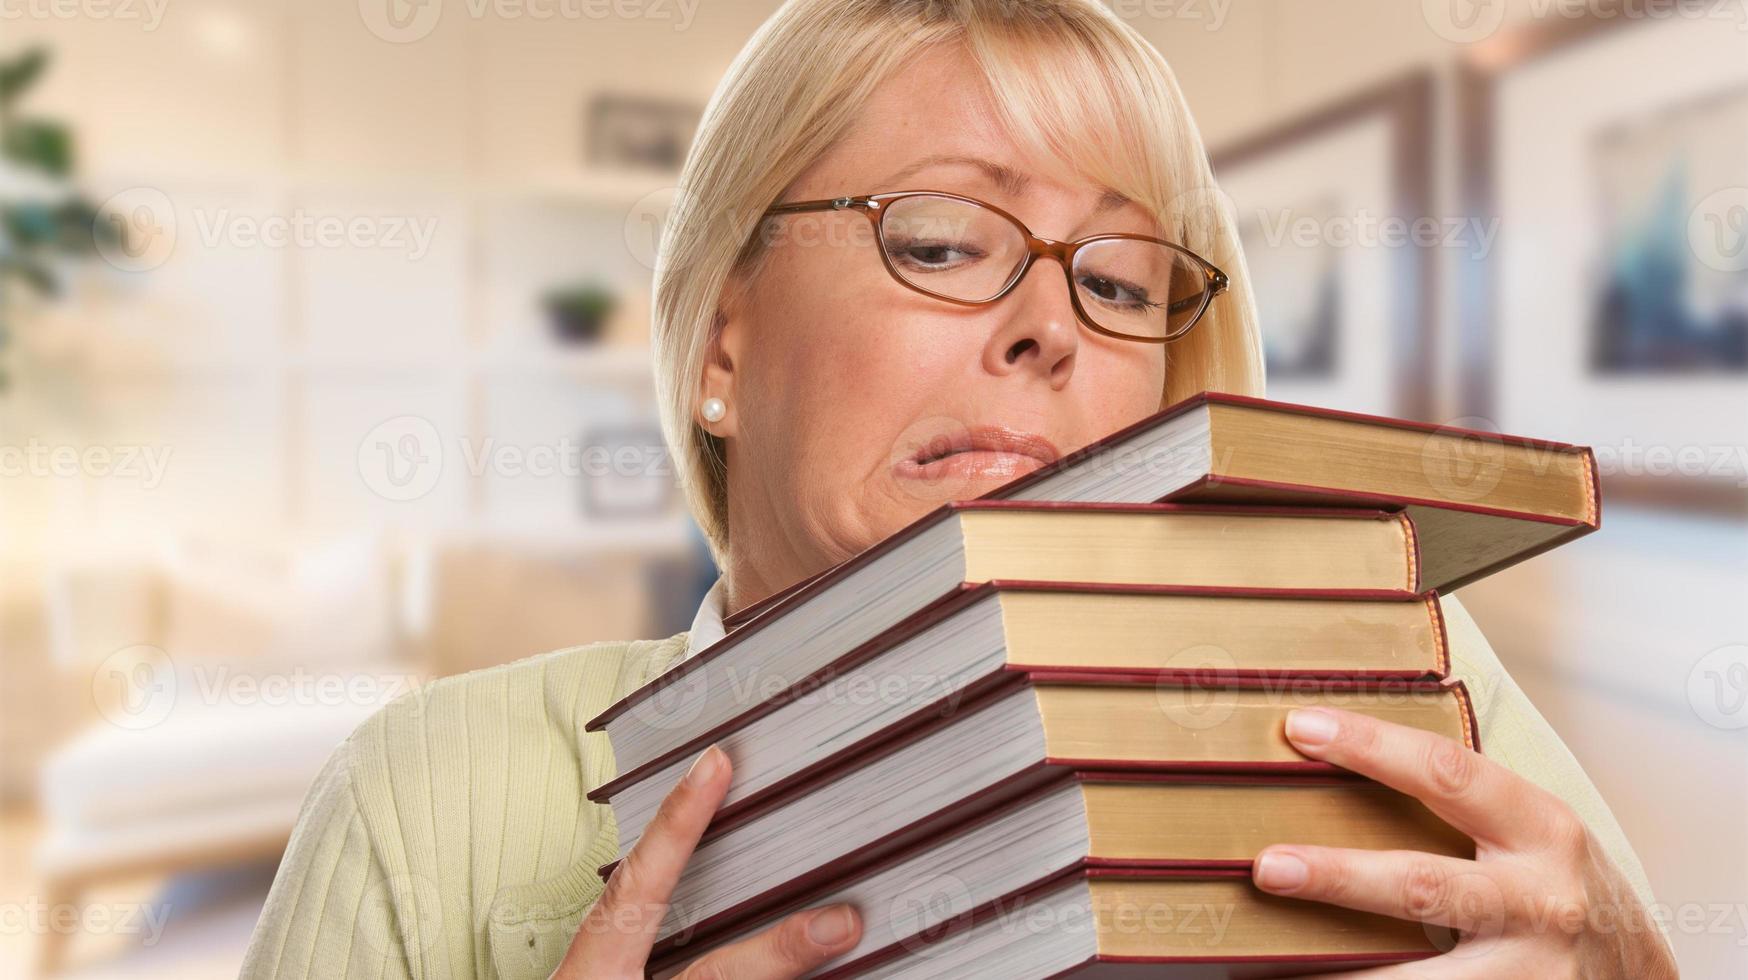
(602, 364)
(668, 534)
(617, 190)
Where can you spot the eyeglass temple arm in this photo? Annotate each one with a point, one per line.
(1216, 277)
(829, 204)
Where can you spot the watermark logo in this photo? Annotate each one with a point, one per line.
(41, 460)
(1192, 696)
(35, 917)
(408, 235)
(1367, 229)
(1717, 687)
(922, 915)
(135, 687)
(400, 21)
(1469, 908)
(1463, 21)
(1460, 460)
(1717, 230)
(646, 224)
(675, 704)
(136, 229)
(1470, 21)
(402, 458)
(1719, 462)
(148, 13)
(1211, 14)
(406, 21)
(1193, 213)
(395, 906)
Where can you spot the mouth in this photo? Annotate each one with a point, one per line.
(985, 450)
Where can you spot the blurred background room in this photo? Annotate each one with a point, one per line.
(324, 344)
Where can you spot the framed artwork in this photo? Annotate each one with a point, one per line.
(633, 132)
(627, 474)
(1613, 307)
(1334, 211)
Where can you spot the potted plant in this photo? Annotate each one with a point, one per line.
(579, 314)
(43, 220)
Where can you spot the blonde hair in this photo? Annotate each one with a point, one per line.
(1060, 69)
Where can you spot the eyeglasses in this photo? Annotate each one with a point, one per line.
(964, 251)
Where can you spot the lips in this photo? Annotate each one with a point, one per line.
(982, 450)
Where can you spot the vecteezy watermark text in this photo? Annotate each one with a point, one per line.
(43, 460)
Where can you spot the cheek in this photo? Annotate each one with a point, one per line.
(848, 388)
(1118, 383)
(841, 373)
(841, 361)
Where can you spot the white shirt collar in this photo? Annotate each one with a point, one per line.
(707, 625)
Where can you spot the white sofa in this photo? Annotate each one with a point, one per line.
(212, 727)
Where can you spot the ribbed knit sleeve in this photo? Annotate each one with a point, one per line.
(329, 913)
(452, 836)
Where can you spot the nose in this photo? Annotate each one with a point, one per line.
(1038, 331)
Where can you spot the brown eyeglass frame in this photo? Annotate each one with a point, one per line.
(873, 207)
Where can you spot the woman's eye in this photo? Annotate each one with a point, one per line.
(1115, 292)
(931, 256)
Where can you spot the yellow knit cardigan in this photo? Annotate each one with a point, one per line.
(450, 836)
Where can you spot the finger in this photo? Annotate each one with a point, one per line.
(1412, 885)
(615, 936)
(1467, 790)
(797, 945)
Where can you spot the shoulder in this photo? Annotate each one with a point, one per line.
(511, 731)
(518, 705)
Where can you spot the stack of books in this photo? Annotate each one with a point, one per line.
(1041, 733)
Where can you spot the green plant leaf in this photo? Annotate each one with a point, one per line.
(31, 273)
(20, 73)
(30, 225)
(39, 143)
(79, 231)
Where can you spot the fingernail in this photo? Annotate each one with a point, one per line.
(830, 927)
(1280, 871)
(704, 767)
(1310, 726)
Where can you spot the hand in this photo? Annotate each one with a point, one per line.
(614, 938)
(1541, 898)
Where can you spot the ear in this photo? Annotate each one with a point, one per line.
(722, 354)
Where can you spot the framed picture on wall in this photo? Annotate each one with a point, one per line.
(1614, 305)
(627, 474)
(634, 132)
(1334, 216)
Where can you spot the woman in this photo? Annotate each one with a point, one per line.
(808, 393)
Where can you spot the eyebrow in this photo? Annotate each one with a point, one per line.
(1010, 181)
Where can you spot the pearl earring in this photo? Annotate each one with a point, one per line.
(713, 409)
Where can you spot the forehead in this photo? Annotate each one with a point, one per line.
(938, 106)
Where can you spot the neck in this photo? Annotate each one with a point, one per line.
(743, 585)
(762, 559)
